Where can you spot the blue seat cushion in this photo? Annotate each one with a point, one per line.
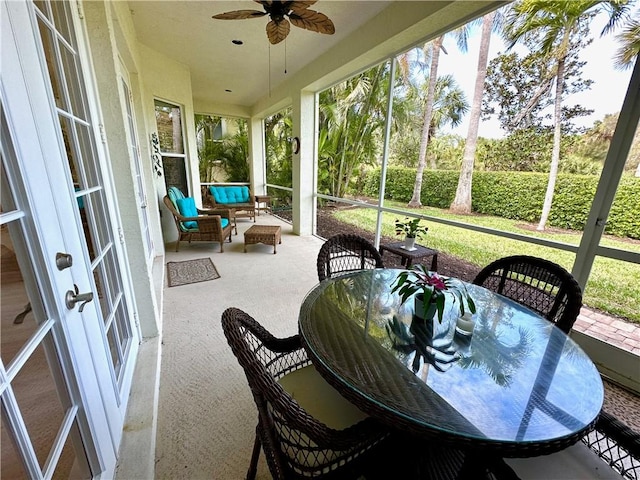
(227, 195)
(187, 208)
(224, 222)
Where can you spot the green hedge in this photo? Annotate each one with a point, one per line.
(519, 196)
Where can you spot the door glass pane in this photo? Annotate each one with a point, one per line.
(10, 465)
(116, 355)
(42, 408)
(62, 19)
(68, 466)
(54, 74)
(71, 68)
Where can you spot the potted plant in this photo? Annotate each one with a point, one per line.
(429, 290)
(412, 229)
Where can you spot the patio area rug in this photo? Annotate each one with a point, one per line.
(191, 271)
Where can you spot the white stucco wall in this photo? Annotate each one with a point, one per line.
(108, 69)
(168, 80)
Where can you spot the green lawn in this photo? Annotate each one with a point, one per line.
(613, 287)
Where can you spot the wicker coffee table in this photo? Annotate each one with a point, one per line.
(267, 234)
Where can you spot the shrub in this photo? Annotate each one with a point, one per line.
(519, 196)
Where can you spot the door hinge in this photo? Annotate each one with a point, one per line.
(103, 135)
(135, 319)
(80, 12)
(121, 235)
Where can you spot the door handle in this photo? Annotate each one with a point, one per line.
(72, 297)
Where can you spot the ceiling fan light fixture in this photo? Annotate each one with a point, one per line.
(278, 27)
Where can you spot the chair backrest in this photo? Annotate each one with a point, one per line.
(230, 194)
(295, 443)
(543, 286)
(345, 253)
(173, 208)
(174, 193)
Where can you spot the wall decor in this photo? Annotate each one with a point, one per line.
(156, 156)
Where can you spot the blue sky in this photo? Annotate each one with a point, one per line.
(604, 97)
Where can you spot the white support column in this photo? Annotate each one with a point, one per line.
(609, 179)
(304, 163)
(257, 158)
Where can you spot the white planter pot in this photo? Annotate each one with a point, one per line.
(409, 243)
(418, 308)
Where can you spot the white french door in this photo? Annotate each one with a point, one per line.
(68, 342)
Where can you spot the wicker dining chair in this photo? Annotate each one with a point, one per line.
(617, 444)
(295, 408)
(538, 284)
(345, 253)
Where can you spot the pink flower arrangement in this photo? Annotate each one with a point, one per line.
(432, 287)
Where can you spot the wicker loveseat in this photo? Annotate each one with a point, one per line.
(235, 197)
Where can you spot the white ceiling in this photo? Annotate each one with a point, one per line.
(184, 30)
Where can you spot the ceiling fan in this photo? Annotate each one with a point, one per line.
(278, 27)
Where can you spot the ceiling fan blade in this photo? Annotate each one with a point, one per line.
(277, 31)
(312, 20)
(239, 15)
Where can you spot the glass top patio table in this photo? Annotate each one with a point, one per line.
(518, 386)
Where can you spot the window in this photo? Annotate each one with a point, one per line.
(170, 135)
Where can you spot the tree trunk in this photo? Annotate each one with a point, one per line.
(428, 115)
(555, 154)
(462, 201)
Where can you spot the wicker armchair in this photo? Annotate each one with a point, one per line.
(208, 225)
(538, 284)
(296, 443)
(347, 253)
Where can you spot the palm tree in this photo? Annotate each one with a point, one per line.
(554, 23)
(629, 40)
(351, 117)
(278, 132)
(426, 123)
(629, 48)
(434, 54)
(449, 107)
(462, 201)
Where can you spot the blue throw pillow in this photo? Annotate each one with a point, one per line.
(187, 208)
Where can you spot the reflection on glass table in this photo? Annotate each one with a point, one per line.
(518, 386)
